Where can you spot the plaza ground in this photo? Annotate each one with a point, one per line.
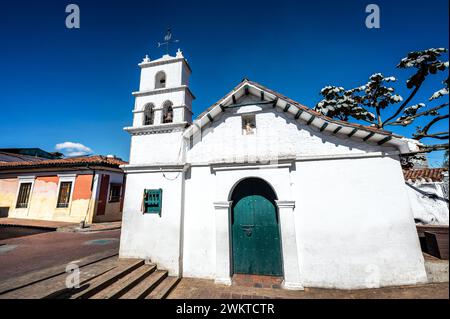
(189, 288)
(25, 254)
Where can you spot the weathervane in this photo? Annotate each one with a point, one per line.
(167, 40)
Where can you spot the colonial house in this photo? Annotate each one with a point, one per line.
(87, 188)
(261, 184)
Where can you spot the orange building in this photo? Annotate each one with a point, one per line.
(87, 188)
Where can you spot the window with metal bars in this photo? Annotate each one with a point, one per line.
(114, 193)
(24, 195)
(153, 201)
(64, 194)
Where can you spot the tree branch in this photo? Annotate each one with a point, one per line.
(435, 135)
(432, 148)
(399, 110)
(424, 133)
(418, 115)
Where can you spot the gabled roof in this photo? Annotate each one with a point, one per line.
(96, 160)
(300, 113)
(425, 174)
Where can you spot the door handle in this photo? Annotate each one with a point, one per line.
(248, 229)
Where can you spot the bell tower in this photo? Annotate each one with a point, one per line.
(156, 169)
(162, 110)
(164, 96)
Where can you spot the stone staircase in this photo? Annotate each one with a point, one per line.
(131, 279)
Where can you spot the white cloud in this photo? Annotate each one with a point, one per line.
(73, 149)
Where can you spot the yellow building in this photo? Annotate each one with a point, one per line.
(87, 188)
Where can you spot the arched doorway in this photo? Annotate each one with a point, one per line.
(255, 229)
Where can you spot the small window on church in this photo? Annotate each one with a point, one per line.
(152, 203)
(160, 80)
(248, 125)
(149, 114)
(167, 112)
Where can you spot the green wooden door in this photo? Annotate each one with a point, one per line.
(256, 237)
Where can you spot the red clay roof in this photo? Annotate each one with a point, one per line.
(427, 174)
(95, 160)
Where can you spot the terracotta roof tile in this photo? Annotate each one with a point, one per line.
(427, 174)
(96, 160)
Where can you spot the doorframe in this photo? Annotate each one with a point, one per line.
(292, 279)
(277, 215)
(285, 209)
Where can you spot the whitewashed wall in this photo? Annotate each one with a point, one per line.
(156, 148)
(278, 135)
(151, 236)
(355, 226)
(176, 73)
(199, 245)
(426, 210)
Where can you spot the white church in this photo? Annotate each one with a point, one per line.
(260, 184)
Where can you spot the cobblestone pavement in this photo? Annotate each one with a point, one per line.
(92, 227)
(25, 254)
(33, 223)
(189, 288)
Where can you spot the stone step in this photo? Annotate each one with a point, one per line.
(47, 273)
(55, 287)
(164, 288)
(146, 286)
(123, 285)
(91, 288)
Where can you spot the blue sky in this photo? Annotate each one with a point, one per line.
(60, 85)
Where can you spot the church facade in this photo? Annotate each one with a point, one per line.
(260, 184)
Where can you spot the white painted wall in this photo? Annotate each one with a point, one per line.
(176, 71)
(156, 148)
(199, 224)
(426, 210)
(151, 236)
(355, 228)
(278, 135)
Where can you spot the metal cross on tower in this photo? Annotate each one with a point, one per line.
(167, 41)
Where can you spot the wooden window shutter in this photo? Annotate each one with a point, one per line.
(153, 201)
